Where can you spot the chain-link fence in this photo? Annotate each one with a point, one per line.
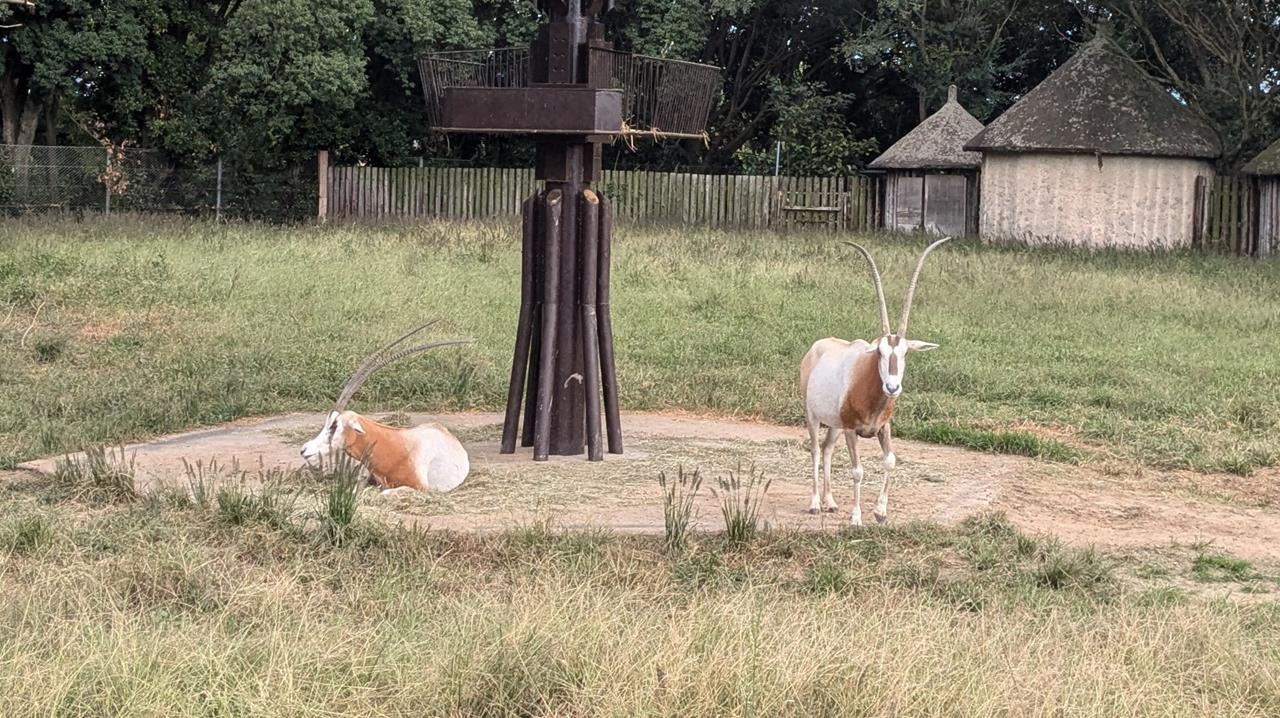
(37, 179)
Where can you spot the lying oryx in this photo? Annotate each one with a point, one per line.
(851, 387)
(425, 457)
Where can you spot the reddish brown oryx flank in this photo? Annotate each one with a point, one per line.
(422, 458)
(851, 388)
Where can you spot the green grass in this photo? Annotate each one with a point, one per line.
(161, 607)
(128, 328)
(1218, 568)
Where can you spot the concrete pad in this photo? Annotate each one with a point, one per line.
(1079, 504)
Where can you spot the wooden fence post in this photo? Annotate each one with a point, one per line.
(322, 177)
(1198, 213)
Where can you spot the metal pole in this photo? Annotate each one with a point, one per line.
(106, 181)
(777, 159)
(217, 207)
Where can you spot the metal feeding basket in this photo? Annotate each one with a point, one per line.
(480, 91)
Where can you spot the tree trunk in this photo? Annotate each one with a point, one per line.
(51, 122)
(8, 106)
(29, 122)
(26, 135)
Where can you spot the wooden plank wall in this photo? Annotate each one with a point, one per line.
(1268, 195)
(1225, 220)
(740, 201)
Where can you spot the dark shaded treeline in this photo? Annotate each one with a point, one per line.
(267, 82)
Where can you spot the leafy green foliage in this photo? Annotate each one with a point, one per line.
(266, 83)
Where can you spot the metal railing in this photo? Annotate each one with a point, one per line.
(496, 67)
(661, 97)
(667, 98)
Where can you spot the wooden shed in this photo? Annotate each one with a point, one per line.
(1265, 169)
(1099, 154)
(931, 181)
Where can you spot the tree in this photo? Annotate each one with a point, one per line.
(811, 127)
(401, 30)
(758, 43)
(994, 50)
(287, 79)
(45, 50)
(1221, 58)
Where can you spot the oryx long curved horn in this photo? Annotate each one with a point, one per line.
(350, 387)
(875, 277)
(367, 371)
(911, 288)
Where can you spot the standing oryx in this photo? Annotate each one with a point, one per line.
(852, 387)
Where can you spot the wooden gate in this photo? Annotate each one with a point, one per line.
(936, 202)
(946, 204)
(799, 209)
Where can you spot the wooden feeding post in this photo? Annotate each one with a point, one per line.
(570, 92)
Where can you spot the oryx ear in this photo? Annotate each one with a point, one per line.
(354, 424)
(874, 348)
(915, 345)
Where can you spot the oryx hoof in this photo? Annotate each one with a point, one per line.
(813, 511)
(880, 518)
(831, 509)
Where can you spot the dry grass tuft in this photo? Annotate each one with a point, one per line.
(162, 608)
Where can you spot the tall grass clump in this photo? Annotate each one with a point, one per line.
(202, 479)
(26, 534)
(740, 501)
(102, 475)
(342, 500)
(678, 496)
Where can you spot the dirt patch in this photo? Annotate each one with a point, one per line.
(99, 332)
(1081, 505)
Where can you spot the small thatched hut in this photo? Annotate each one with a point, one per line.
(1098, 154)
(931, 181)
(1266, 170)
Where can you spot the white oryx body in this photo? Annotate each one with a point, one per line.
(421, 458)
(851, 388)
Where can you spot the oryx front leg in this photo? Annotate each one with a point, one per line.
(851, 440)
(816, 449)
(890, 460)
(828, 448)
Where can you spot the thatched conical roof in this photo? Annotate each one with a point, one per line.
(1266, 163)
(936, 143)
(1100, 101)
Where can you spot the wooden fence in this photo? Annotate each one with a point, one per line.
(740, 201)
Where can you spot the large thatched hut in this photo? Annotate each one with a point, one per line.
(930, 180)
(1098, 154)
(1266, 195)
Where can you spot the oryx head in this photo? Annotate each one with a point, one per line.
(891, 346)
(333, 437)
